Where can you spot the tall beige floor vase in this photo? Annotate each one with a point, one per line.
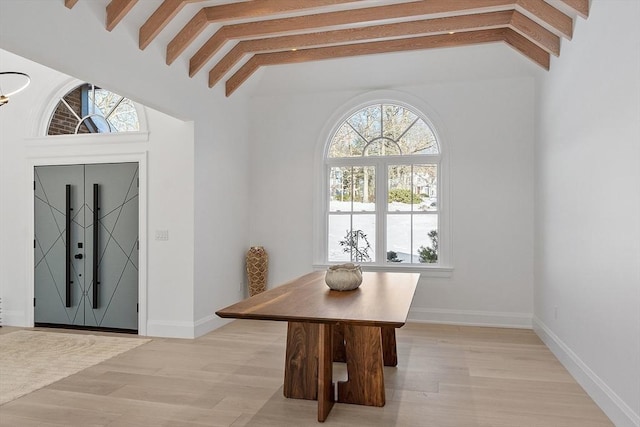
(257, 267)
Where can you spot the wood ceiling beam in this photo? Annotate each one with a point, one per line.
(548, 16)
(511, 18)
(249, 9)
(160, 19)
(70, 3)
(527, 47)
(536, 33)
(370, 14)
(580, 6)
(357, 49)
(402, 29)
(260, 8)
(116, 10)
(186, 36)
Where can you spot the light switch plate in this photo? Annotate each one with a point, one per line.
(162, 234)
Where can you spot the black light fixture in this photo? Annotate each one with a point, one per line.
(12, 82)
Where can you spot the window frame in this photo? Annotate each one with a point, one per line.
(324, 163)
(48, 111)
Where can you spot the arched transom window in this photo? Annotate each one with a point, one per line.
(90, 109)
(382, 166)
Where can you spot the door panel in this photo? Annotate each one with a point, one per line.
(120, 309)
(117, 292)
(117, 248)
(50, 243)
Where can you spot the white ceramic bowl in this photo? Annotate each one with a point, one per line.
(343, 277)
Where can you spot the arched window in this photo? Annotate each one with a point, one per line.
(90, 109)
(383, 179)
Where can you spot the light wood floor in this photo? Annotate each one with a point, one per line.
(447, 376)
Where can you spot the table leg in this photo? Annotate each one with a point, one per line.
(339, 351)
(389, 350)
(365, 383)
(308, 371)
(301, 361)
(326, 396)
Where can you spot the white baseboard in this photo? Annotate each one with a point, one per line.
(14, 318)
(155, 328)
(612, 405)
(160, 328)
(165, 329)
(471, 318)
(208, 324)
(453, 317)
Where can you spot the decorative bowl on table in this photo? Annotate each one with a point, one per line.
(343, 277)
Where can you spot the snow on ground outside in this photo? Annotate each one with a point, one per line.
(398, 228)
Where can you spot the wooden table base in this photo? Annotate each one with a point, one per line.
(389, 351)
(326, 396)
(313, 347)
(365, 383)
(301, 361)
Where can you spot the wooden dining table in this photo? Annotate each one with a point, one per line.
(324, 325)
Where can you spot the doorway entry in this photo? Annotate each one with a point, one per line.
(86, 246)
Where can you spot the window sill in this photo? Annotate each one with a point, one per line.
(425, 271)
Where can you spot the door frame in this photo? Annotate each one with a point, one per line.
(139, 157)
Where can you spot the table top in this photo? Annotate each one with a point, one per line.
(383, 299)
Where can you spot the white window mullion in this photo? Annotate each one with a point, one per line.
(381, 211)
(411, 245)
(351, 196)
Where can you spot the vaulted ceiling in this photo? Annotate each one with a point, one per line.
(247, 35)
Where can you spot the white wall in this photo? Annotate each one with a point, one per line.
(587, 292)
(207, 269)
(221, 212)
(488, 131)
(168, 146)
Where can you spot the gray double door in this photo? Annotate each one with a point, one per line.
(86, 245)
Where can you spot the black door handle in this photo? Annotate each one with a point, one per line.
(78, 256)
(68, 281)
(96, 236)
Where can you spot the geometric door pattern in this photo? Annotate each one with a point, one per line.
(68, 290)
